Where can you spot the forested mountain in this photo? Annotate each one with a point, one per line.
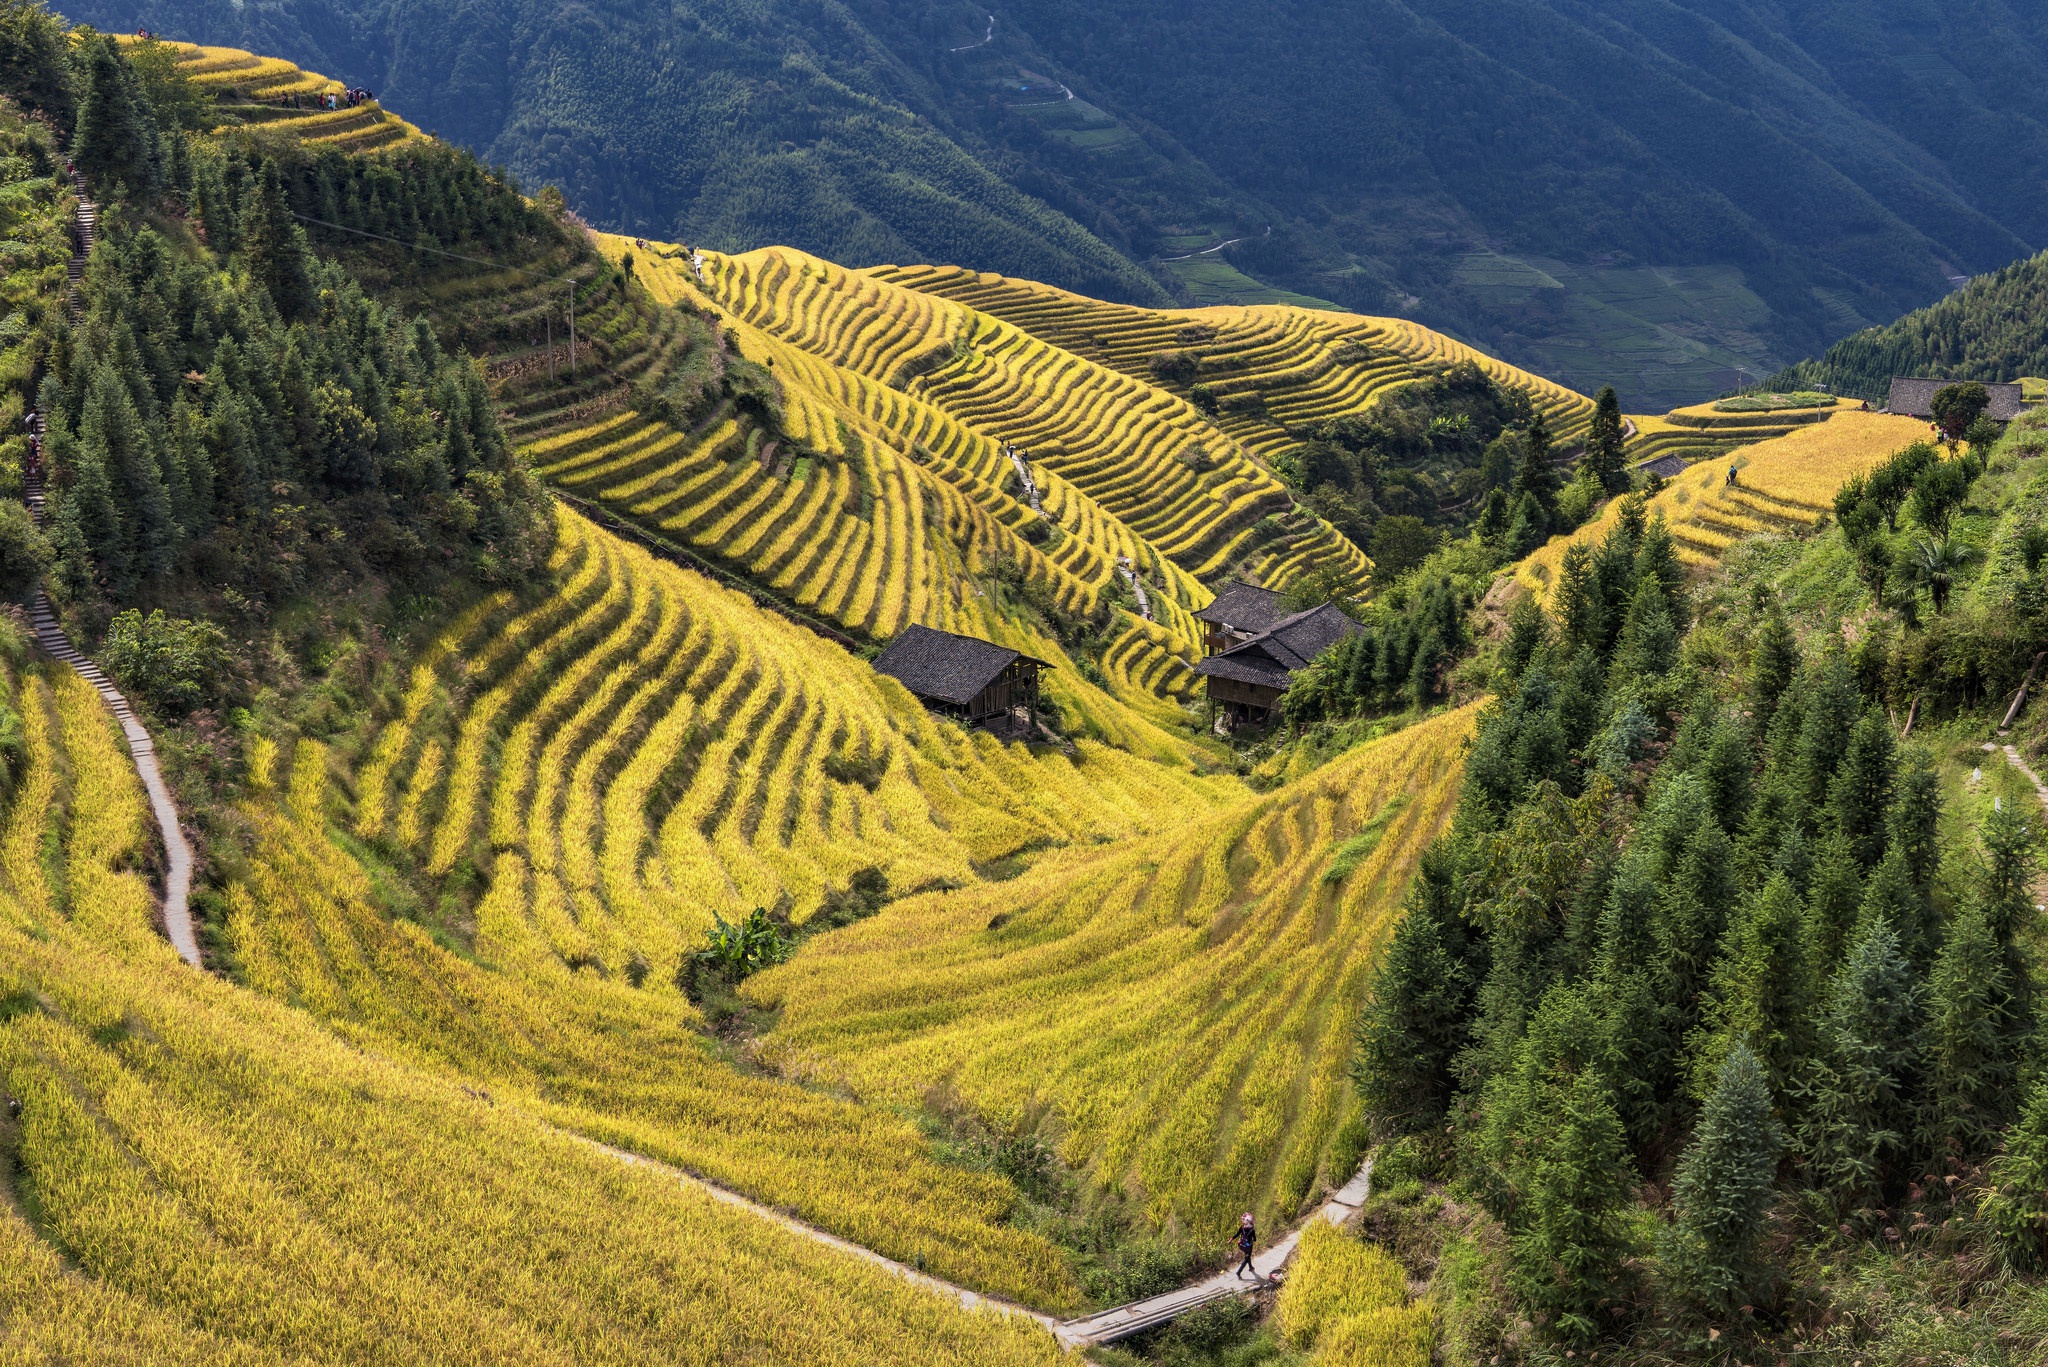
(1995, 329)
(1652, 194)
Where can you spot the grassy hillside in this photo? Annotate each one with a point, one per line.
(1647, 198)
(1173, 1017)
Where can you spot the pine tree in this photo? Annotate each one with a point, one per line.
(1648, 646)
(114, 434)
(1723, 1190)
(273, 247)
(1568, 1254)
(1971, 1062)
(1493, 516)
(2006, 896)
(1529, 528)
(1889, 896)
(1533, 477)
(1914, 822)
(1577, 602)
(2016, 1204)
(88, 517)
(1415, 1019)
(1766, 989)
(1528, 630)
(1833, 898)
(1693, 907)
(1773, 660)
(1832, 708)
(1603, 458)
(1657, 558)
(1860, 793)
(116, 138)
(1855, 1091)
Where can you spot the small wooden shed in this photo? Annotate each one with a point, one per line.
(1247, 681)
(962, 676)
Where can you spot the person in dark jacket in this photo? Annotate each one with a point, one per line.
(1247, 1240)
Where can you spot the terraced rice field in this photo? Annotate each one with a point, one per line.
(896, 440)
(1786, 484)
(1188, 492)
(250, 88)
(1699, 432)
(1276, 371)
(1175, 1012)
(218, 1177)
(652, 747)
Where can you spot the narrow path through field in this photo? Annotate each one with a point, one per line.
(972, 1300)
(2012, 757)
(177, 852)
(1110, 1325)
(1106, 1326)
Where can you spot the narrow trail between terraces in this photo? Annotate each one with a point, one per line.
(43, 619)
(1104, 1326)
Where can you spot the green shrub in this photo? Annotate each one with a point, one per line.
(25, 554)
(176, 664)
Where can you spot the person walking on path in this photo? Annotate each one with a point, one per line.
(1731, 476)
(1247, 1240)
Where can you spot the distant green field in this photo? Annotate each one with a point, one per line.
(1212, 280)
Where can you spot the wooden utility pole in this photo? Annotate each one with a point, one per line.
(551, 346)
(572, 331)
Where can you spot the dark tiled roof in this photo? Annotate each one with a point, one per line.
(1245, 607)
(1666, 466)
(1915, 398)
(1250, 669)
(938, 664)
(1288, 645)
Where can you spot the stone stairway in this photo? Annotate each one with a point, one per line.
(43, 620)
(85, 227)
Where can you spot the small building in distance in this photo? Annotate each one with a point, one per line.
(1239, 613)
(1247, 680)
(1915, 398)
(962, 676)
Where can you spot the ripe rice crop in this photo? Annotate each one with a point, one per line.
(1126, 444)
(1349, 1299)
(1303, 366)
(938, 490)
(591, 1052)
(1784, 484)
(252, 86)
(1183, 1003)
(218, 1177)
(728, 716)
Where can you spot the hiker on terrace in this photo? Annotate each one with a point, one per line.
(1247, 1239)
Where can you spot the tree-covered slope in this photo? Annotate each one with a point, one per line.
(1651, 194)
(1995, 329)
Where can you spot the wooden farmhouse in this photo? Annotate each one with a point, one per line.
(1915, 398)
(1247, 679)
(1239, 613)
(962, 676)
